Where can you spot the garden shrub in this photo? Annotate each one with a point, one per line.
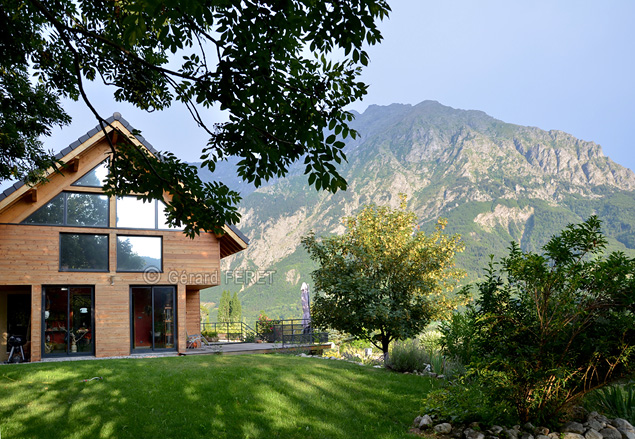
(550, 328)
(468, 399)
(408, 356)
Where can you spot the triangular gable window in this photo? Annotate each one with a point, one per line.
(77, 209)
(96, 177)
(51, 213)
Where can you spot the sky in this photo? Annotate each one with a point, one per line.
(553, 64)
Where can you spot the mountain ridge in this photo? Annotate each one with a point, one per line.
(494, 181)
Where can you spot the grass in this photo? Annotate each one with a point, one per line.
(251, 396)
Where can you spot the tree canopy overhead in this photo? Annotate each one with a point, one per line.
(384, 279)
(268, 63)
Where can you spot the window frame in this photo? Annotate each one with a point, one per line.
(92, 270)
(156, 216)
(106, 162)
(65, 211)
(160, 237)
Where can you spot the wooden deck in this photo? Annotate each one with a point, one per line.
(253, 348)
(214, 349)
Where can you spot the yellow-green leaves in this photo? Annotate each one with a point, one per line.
(384, 279)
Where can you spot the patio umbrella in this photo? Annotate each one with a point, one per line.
(306, 309)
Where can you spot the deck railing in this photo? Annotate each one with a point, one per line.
(289, 331)
(237, 332)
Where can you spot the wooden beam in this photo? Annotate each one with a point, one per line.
(73, 165)
(30, 195)
(115, 135)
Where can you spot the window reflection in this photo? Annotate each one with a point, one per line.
(135, 213)
(138, 253)
(73, 209)
(51, 213)
(86, 210)
(96, 177)
(83, 252)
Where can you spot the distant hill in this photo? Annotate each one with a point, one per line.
(494, 181)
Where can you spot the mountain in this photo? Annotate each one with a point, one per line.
(495, 182)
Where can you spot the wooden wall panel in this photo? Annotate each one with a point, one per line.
(29, 255)
(36, 322)
(193, 310)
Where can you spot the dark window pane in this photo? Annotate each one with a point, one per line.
(79, 252)
(136, 253)
(81, 323)
(135, 213)
(96, 177)
(51, 213)
(55, 320)
(86, 210)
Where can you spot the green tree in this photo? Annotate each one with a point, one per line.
(224, 311)
(267, 63)
(384, 279)
(236, 309)
(548, 328)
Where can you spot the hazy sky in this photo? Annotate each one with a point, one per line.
(566, 65)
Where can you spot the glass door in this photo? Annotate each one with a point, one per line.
(68, 322)
(153, 322)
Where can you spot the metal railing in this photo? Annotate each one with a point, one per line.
(289, 331)
(236, 332)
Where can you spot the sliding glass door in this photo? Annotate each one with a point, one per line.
(153, 322)
(68, 322)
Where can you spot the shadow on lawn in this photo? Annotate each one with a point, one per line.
(216, 397)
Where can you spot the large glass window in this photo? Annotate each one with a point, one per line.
(135, 213)
(67, 321)
(153, 318)
(96, 177)
(83, 252)
(138, 253)
(51, 213)
(73, 209)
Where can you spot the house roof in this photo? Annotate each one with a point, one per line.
(231, 232)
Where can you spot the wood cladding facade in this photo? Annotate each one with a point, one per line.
(30, 261)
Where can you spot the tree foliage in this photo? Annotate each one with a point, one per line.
(548, 328)
(224, 307)
(229, 307)
(268, 63)
(384, 279)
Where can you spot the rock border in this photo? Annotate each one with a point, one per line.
(596, 426)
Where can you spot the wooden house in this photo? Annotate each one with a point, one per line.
(86, 274)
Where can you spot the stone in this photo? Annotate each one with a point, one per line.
(626, 434)
(528, 426)
(526, 435)
(573, 427)
(570, 435)
(554, 435)
(594, 424)
(496, 430)
(622, 424)
(473, 434)
(425, 422)
(542, 436)
(598, 417)
(593, 434)
(511, 433)
(610, 432)
(443, 428)
(541, 431)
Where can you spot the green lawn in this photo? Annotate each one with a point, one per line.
(250, 396)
